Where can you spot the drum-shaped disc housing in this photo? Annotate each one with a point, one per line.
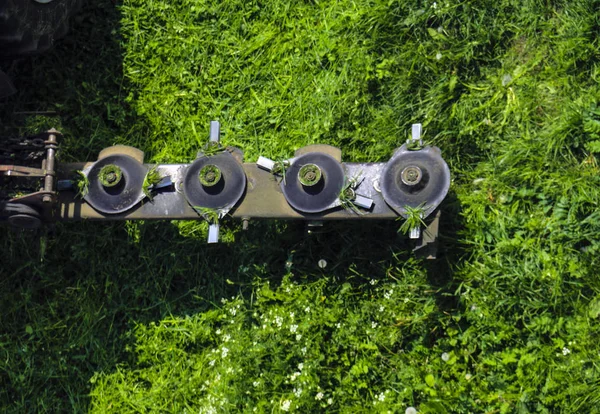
(122, 196)
(228, 189)
(314, 198)
(415, 178)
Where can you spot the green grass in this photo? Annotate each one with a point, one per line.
(128, 317)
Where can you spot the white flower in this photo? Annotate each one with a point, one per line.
(438, 56)
(388, 294)
(468, 376)
(256, 383)
(303, 351)
(374, 325)
(226, 338)
(224, 352)
(434, 5)
(330, 401)
(373, 282)
(298, 337)
(445, 356)
(285, 406)
(410, 410)
(292, 315)
(212, 363)
(381, 308)
(293, 328)
(319, 396)
(298, 392)
(295, 375)
(279, 321)
(566, 351)
(307, 309)
(338, 325)
(300, 366)
(381, 397)
(218, 332)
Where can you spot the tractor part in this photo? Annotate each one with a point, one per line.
(313, 182)
(30, 27)
(214, 182)
(218, 183)
(115, 183)
(415, 179)
(27, 179)
(23, 216)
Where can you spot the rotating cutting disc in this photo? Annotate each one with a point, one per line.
(318, 197)
(414, 178)
(228, 188)
(121, 197)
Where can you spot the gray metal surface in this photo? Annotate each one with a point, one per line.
(263, 198)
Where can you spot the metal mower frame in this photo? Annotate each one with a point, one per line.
(257, 191)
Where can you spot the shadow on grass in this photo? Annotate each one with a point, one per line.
(53, 331)
(71, 314)
(77, 87)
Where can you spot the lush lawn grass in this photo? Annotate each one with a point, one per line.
(129, 317)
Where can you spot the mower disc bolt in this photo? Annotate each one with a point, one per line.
(310, 175)
(110, 175)
(209, 175)
(411, 175)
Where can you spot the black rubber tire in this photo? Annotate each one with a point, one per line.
(28, 27)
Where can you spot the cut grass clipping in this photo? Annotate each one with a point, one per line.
(151, 179)
(413, 219)
(82, 184)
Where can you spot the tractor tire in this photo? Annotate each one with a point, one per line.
(29, 27)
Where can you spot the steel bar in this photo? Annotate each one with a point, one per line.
(263, 198)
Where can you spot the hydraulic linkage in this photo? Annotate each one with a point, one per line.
(314, 185)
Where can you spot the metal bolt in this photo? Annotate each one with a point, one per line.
(265, 163)
(213, 233)
(310, 175)
(362, 201)
(349, 193)
(50, 154)
(110, 175)
(411, 175)
(209, 175)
